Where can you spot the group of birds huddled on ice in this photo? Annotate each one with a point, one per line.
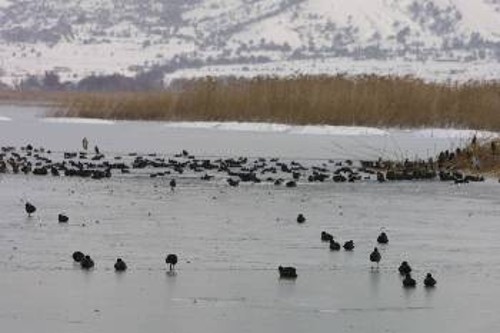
(87, 263)
(234, 171)
(375, 257)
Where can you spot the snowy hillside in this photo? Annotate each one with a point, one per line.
(76, 38)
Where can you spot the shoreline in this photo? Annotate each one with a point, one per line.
(364, 100)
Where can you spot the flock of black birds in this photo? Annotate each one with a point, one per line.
(96, 165)
(43, 162)
(375, 257)
(86, 261)
(288, 272)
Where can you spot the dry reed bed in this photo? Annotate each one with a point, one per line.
(333, 100)
(479, 156)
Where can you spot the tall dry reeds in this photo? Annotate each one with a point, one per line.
(335, 100)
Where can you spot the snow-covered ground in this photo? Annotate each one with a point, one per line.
(441, 40)
(230, 241)
(73, 62)
(431, 71)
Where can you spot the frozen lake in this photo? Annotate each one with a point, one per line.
(230, 241)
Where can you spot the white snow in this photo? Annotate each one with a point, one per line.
(431, 71)
(5, 3)
(480, 17)
(280, 128)
(76, 120)
(453, 133)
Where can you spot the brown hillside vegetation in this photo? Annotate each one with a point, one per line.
(332, 100)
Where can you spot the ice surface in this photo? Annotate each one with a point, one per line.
(227, 139)
(231, 240)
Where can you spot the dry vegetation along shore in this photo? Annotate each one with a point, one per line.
(328, 100)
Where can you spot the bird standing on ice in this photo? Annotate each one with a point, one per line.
(120, 265)
(85, 144)
(301, 218)
(171, 260)
(375, 256)
(287, 272)
(429, 281)
(382, 238)
(30, 209)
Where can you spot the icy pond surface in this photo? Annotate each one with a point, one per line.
(230, 241)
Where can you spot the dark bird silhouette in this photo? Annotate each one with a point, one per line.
(429, 281)
(97, 151)
(78, 256)
(349, 245)
(382, 238)
(404, 268)
(87, 262)
(301, 218)
(62, 218)
(287, 272)
(30, 209)
(334, 246)
(120, 265)
(171, 260)
(85, 143)
(326, 237)
(409, 282)
(173, 184)
(380, 177)
(375, 256)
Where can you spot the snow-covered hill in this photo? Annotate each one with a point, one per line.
(76, 38)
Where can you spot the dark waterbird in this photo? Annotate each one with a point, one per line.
(326, 237)
(30, 209)
(409, 282)
(382, 238)
(87, 262)
(171, 260)
(404, 268)
(429, 281)
(349, 245)
(334, 246)
(62, 218)
(120, 265)
(78, 256)
(173, 184)
(301, 218)
(375, 256)
(287, 272)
